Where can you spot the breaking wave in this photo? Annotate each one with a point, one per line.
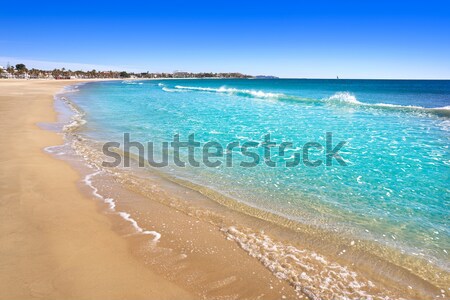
(233, 91)
(347, 98)
(337, 99)
(343, 98)
(169, 90)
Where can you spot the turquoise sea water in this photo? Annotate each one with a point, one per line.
(394, 189)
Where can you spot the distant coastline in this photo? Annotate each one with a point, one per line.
(20, 71)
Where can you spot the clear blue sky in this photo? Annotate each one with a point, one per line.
(316, 39)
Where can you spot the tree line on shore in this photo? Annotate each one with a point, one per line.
(21, 71)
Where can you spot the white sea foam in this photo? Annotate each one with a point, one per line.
(346, 98)
(77, 119)
(339, 98)
(112, 205)
(343, 98)
(88, 181)
(169, 90)
(139, 229)
(310, 273)
(70, 89)
(233, 91)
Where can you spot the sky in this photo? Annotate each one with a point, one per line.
(294, 39)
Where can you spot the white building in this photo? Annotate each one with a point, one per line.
(4, 74)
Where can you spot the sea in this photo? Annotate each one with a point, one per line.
(366, 162)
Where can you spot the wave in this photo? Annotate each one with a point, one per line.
(308, 272)
(344, 99)
(347, 98)
(112, 205)
(233, 91)
(439, 111)
(132, 82)
(70, 89)
(77, 119)
(169, 90)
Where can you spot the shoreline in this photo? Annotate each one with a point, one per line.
(212, 265)
(58, 242)
(54, 243)
(199, 253)
(393, 276)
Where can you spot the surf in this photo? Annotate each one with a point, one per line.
(344, 99)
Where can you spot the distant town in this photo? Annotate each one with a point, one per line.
(20, 71)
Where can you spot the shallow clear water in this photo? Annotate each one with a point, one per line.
(394, 188)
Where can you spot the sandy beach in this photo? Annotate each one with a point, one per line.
(177, 150)
(57, 243)
(54, 243)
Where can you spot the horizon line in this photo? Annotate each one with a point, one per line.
(133, 69)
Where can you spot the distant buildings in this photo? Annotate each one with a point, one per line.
(180, 74)
(21, 72)
(4, 73)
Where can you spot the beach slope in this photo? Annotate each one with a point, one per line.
(54, 244)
